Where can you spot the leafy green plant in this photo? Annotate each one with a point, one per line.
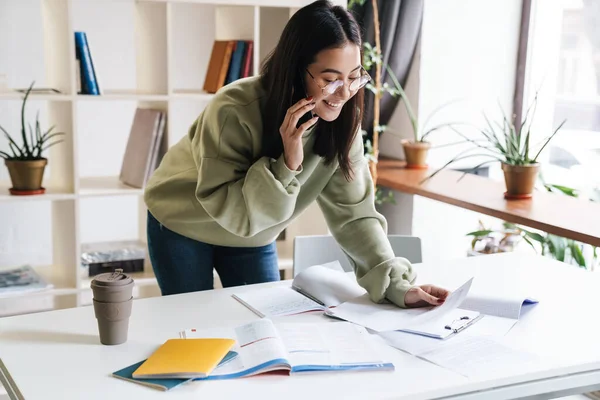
(557, 247)
(495, 240)
(503, 142)
(33, 143)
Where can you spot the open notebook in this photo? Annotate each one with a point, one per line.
(314, 289)
(296, 348)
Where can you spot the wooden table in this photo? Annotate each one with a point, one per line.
(57, 354)
(561, 215)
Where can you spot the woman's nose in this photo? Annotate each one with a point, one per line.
(343, 93)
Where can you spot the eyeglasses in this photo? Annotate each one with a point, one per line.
(354, 86)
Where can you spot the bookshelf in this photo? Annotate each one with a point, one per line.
(172, 41)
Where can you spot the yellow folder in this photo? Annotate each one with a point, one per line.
(185, 358)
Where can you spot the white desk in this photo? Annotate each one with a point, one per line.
(57, 355)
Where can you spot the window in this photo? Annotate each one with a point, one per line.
(565, 60)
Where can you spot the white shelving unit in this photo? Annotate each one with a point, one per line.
(169, 74)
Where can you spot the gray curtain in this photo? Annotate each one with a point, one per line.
(399, 26)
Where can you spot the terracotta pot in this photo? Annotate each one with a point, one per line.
(415, 153)
(520, 180)
(26, 176)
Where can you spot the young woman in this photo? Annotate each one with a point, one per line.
(262, 151)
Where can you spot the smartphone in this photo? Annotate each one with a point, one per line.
(300, 93)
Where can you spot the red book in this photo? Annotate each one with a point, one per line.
(247, 68)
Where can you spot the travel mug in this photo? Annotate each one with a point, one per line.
(113, 300)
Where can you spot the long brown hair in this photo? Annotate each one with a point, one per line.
(315, 27)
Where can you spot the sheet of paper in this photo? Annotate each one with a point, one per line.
(490, 325)
(486, 326)
(411, 343)
(500, 304)
(277, 302)
(389, 317)
(331, 344)
(467, 354)
(334, 265)
(329, 285)
(480, 356)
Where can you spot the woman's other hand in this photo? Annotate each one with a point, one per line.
(292, 136)
(425, 295)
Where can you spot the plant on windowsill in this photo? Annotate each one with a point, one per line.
(26, 163)
(509, 145)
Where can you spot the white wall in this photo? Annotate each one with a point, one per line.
(468, 51)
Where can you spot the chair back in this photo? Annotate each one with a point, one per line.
(320, 249)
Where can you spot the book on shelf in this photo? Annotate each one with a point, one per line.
(295, 348)
(87, 78)
(229, 61)
(145, 147)
(20, 280)
(314, 289)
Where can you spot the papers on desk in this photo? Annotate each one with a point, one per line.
(329, 289)
(466, 354)
(314, 289)
(500, 309)
(296, 348)
(390, 317)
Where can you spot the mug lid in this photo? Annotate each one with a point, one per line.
(117, 278)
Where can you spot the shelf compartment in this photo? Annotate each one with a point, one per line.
(151, 47)
(59, 47)
(61, 295)
(105, 186)
(191, 29)
(109, 219)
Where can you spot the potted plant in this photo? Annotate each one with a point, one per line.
(26, 163)
(417, 148)
(509, 145)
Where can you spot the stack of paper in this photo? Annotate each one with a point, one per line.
(497, 310)
(389, 317)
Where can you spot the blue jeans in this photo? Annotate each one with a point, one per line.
(185, 265)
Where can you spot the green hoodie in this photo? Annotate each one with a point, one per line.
(208, 188)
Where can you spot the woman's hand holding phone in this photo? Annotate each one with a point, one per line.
(291, 133)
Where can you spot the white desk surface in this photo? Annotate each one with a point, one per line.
(57, 354)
